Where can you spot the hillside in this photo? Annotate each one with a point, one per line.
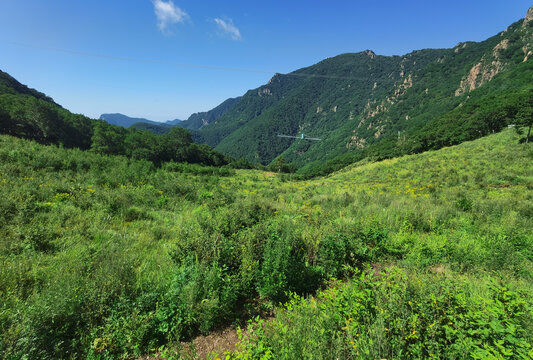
(106, 257)
(28, 113)
(443, 282)
(365, 104)
(9, 85)
(201, 119)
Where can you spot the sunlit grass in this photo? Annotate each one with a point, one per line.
(107, 257)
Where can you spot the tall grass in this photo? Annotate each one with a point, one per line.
(106, 257)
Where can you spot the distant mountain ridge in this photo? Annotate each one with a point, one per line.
(173, 122)
(194, 122)
(201, 119)
(126, 121)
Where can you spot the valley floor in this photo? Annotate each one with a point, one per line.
(423, 256)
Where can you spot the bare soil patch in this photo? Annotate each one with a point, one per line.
(218, 342)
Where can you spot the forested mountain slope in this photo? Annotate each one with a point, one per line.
(27, 113)
(200, 119)
(364, 104)
(9, 85)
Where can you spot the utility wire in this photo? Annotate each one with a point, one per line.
(138, 60)
(178, 64)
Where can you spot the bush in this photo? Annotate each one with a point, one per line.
(393, 315)
(285, 268)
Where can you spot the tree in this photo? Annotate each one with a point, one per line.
(173, 145)
(280, 165)
(524, 118)
(7, 124)
(108, 139)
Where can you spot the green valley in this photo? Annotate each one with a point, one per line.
(404, 230)
(105, 257)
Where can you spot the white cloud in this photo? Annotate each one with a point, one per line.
(168, 14)
(227, 28)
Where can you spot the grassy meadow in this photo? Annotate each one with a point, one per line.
(423, 256)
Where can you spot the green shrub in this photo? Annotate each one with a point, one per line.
(103, 257)
(393, 315)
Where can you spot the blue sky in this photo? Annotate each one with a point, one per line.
(163, 59)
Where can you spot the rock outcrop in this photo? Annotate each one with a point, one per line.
(264, 92)
(529, 16)
(370, 53)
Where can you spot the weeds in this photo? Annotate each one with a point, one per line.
(104, 257)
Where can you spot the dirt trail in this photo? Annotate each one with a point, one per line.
(218, 342)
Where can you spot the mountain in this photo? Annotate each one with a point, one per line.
(125, 121)
(28, 113)
(9, 85)
(173, 122)
(201, 119)
(194, 122)
(364, 104)
(361, 105)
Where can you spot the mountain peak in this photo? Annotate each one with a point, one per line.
(370, 53)
(274, 78)
(529, 16)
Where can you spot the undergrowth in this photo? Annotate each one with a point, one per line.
(106, 257)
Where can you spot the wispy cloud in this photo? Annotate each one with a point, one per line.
(227, 28)
(168, 14)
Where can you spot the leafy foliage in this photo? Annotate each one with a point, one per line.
(109, 257)
(392, 315)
